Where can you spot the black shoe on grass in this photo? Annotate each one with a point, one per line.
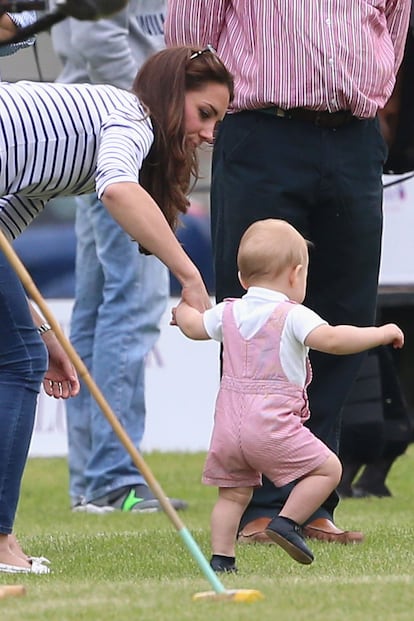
(223, 564)
(286, 533)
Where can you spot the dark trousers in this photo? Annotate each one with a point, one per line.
(376, 421)
(328, 184)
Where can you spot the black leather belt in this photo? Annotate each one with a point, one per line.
(320, 118)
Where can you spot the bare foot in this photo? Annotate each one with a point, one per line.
(12, 559)
(8, 556)
(15, 547)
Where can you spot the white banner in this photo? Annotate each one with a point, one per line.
(397, 264)
(181, 384)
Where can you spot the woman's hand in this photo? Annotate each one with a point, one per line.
(61, 380)
(196, 295)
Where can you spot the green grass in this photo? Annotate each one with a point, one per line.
(124, 566)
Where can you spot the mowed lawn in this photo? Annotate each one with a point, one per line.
(136, 567)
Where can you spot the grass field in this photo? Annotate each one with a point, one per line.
(123, 566)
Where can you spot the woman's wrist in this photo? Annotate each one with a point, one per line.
(43, 328)
(190, 280)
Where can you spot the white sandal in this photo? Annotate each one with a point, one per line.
(35, 568)
(39, 559)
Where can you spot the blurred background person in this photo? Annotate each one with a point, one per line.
(377, 419)
(120, 294)
(9, 24)
(377, 427)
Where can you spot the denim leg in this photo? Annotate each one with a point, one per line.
(120, 298)
(23, 362)
(89, 284)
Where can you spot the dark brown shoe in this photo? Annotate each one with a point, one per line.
(325, 530)
(254, 531)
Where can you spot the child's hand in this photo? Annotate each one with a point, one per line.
(393, 335)
(189, 320)
(173, 321)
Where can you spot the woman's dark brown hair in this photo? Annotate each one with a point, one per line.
(161, 85)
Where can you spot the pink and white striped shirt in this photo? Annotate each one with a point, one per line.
(323, 55)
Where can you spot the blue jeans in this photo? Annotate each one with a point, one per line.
(120, 296)
(23, 362)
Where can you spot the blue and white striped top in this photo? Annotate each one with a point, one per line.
(65, 139)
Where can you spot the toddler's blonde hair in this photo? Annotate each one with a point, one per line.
(268, 247)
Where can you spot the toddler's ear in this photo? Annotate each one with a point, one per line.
(295, 273)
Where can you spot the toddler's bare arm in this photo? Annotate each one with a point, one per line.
(352, 339)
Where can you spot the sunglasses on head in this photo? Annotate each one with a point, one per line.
(208, 48)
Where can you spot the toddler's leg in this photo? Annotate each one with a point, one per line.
(225, 520)
(311, 491)
(307, 495)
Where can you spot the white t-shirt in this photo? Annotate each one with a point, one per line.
(253, 310)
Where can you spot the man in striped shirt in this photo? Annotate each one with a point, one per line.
(302, 143)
